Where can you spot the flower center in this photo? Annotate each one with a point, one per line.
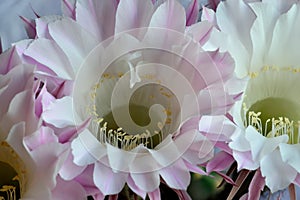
(131, 109)
(12, 173)
(273, 110)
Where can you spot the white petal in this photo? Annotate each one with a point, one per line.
(262, 32)
(291, 155)
(87, 149)
(217, 128)
(239, 142)
(285, 42)
(279, 175)
(260, 145)
(237, 24)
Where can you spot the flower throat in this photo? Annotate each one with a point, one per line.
(274, 117)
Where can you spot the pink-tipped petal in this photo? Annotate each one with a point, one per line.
(135, 188)
(73, 40)
(177, 175)
(68, 190)
(148, 181)
(256, 186)
(220, 162)
(154, 195)
(9, 59)
(70, 170)
(68, 8)
(92, 14)
(133, 14)
(108, 181)
(54, 59)
(169, 15)
(192, 12)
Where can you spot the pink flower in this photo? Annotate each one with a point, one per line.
(29, 162)
(137, 95)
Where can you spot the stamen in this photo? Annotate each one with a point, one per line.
(280, 126)
(10, 192)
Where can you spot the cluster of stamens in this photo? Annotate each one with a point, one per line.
(279, 126)
(18, 165)
(121, 139)
(10, 191)
(118, 137)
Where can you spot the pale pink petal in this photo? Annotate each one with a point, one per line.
(133, 14)
(192, 12)
(297, 180)
(73, 40)
(60, 112)
(30, 27)
(55, 58)
(10, 85)
(68, 8)
(183, 195)
(9, 59)
(244, 160)
(154, 195)
(256, 186)
(70, 170)
(68, 190)
(42, 23)
(195, 169)
(166, 147)
(50, 157)
(108, 181)
(221, 161)
(86, 180)
(15, 139)
(209, 15)
(272, 165)
(135, 188)
(93, 14)
(42, 136)
(197, 148)
(43, 100)
(217, 128)
(177, 175)
(200, 31)
(290, 154)
(147, 181)
(169, 15)
(21, 108)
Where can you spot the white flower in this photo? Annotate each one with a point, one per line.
(263, 38)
